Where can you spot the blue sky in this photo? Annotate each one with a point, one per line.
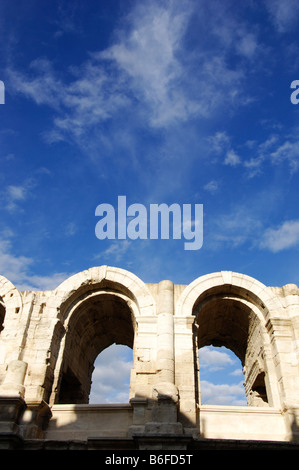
(221, 376)
(163, 102)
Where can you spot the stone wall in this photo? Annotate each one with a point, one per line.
(49, 341)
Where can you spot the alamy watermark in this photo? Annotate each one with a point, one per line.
(2, 92)
(294, 96)
(159, 221)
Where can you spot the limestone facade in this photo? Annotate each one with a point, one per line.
(49, 341)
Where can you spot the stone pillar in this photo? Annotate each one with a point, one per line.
(35, 420)
(165, 393)
(25, 419)
(12, 404)
(140, 406)
(284, 356)
(187, 371)
(14, 379)
(285, 359)
(165, 332)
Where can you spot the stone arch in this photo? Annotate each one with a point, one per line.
(233, 310)
(239, 284)
(10, 310)
(10, 301)
(120, 280)
(95, 308)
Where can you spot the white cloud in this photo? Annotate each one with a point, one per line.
(253, 166)
(222, 394)
(241, 224)
(71, 229)
(217, 364)
(141, 67)
(214, 359)
(89, 99)
(17, 270)
(14, 268)
(211, 186)
(232, 158)
(288, 151)
(277, 149)
(117, 250)
(40, 83)
(219, 142)
(148, 53)
(237, 372)
(13, 195)
(247, 45)
(284, 237)
(148, 75)
(111, 376)
(34, 281)
(16, 192)
(283, 13)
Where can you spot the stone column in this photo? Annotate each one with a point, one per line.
(14, 379)
(165, 393)
(12, 404)
(165, 331)
(35, 420)
(285, 359)
(187, 370)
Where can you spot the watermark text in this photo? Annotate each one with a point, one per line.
(295, 95)
(2, 92)
(159, 221)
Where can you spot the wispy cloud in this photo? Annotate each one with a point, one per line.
(214, 359)
(111, 377)
(238, 226)
(281, 238)
(13, 195)
(212, 186)
(40, 83)
(232, 158)
(222, 394)
(219, 143)
(116, 250)
(148, 74)
(18, 270)
(277, 149)
(222, 363)
(288, 152)
(283, 14)
(148, 54)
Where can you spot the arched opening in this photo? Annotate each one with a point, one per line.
(99, 321)
(221, 377)
(111, 375)
(230, 321)
(2, 313)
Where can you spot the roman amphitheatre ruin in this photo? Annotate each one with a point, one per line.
(49, 341)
